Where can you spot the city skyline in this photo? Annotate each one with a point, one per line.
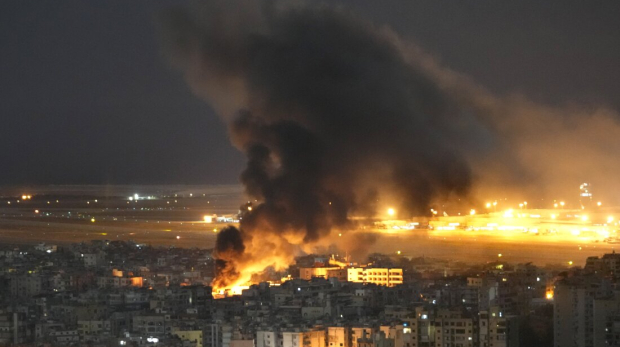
(313, 173)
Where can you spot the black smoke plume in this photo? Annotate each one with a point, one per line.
(336, 114)
(327, 110)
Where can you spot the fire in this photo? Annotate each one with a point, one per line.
(260, 253)
(335, 262)
(232, 291)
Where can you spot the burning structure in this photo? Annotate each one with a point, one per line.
(314, 97)
(337, 116)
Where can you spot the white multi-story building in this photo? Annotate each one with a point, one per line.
(389, 277)
(480, 292)
(573, 310)
(420, 328)
(497, 330)
(452, 329)
(399, 333)
(338, 337)
(218, 335)
(151, 325)
(359, 333)
(311, 338)
(267, 339)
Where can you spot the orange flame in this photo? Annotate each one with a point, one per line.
(267, 250)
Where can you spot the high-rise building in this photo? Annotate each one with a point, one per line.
(573, 302)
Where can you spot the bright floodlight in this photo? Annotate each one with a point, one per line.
(391, 211)
(208, 219)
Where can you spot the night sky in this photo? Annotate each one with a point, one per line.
(87, 97)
